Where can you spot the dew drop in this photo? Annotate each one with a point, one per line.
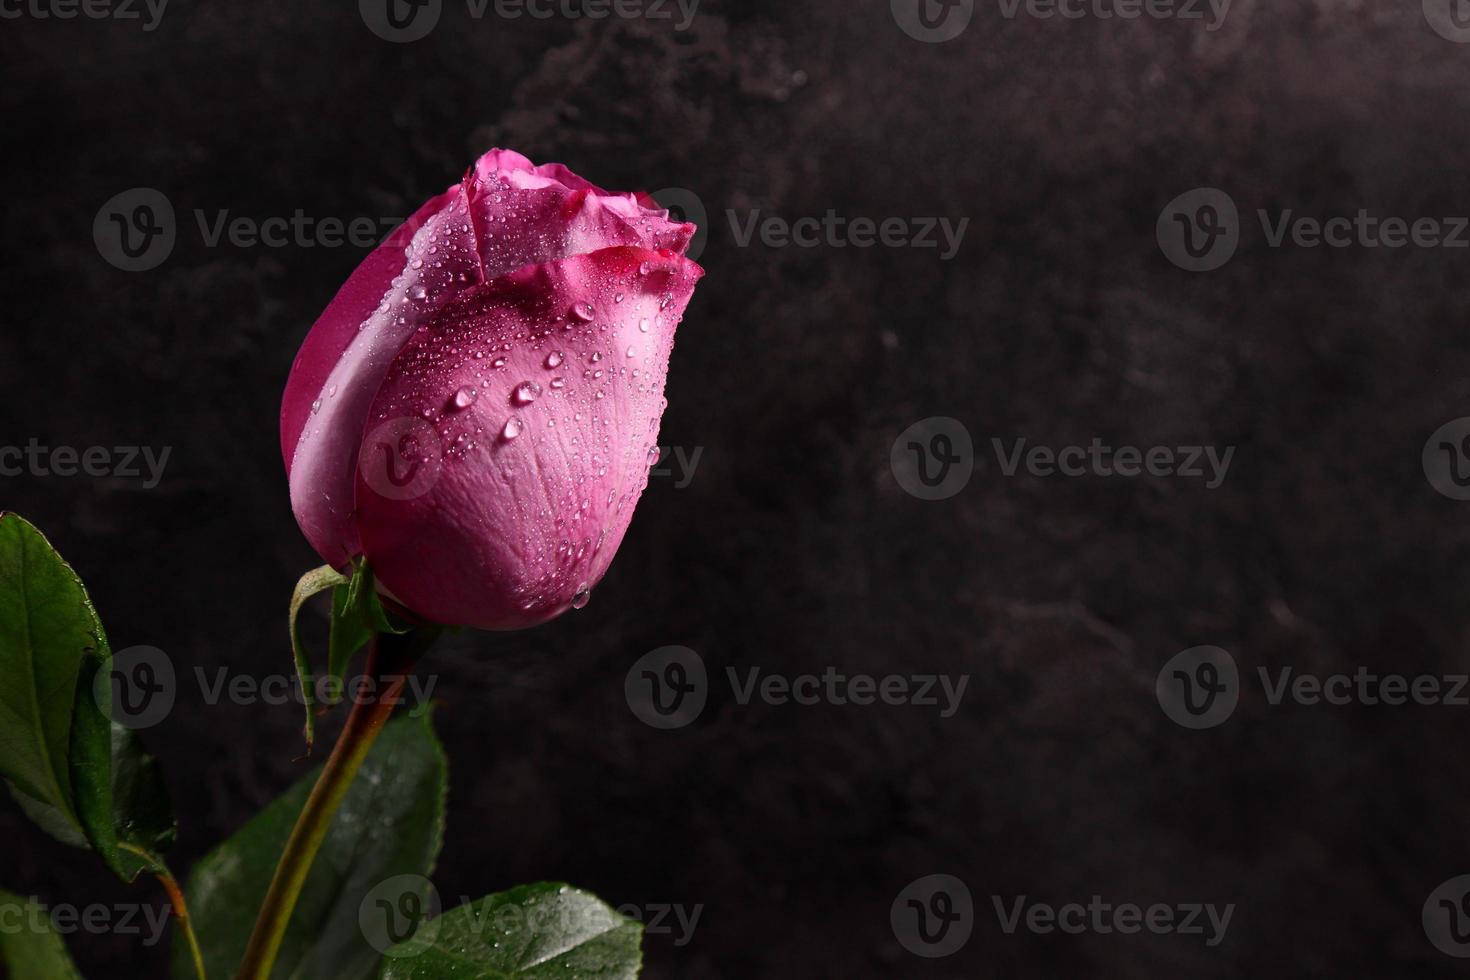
(525, 393)
(583, 312)
(553, 359)
(558, 382)
(583, 596)
(465, 397)
(511, 430)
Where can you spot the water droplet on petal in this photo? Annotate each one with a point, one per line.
(553, 359)
(558, 382)
(526, 392)
(465, 397)
(584, 312)
(511, 430)
(583, 596)
(643, 325)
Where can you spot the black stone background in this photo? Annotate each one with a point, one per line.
(794, 548)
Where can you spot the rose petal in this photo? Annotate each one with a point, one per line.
(469, 522)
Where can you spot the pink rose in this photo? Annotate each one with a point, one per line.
(476, 410)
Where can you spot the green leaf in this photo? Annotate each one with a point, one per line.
(390, 823)
(535, 931)
(29, 947)
(96, 786)
(363, 603)
(47, 625)
(349, 633)
(120, 792)
(314, 581)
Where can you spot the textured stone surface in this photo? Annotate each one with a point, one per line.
(793, 548)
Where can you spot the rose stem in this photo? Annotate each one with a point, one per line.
(181, 915)
(390, 660)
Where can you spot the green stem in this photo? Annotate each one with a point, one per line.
(389, 662)
(181, 916)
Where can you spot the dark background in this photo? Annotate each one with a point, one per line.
(794, 548)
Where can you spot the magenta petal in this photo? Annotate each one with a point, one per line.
(440, 261)
(532, 216)
(512, 436)
(339, 323)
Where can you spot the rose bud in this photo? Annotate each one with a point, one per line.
(476, 411)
